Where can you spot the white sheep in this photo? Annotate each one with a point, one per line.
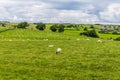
(99, 41)
(58, 50)
(23, 40)
(87, 39)
(51, 46)
(10, 40)
(77, 39)
(45, 39)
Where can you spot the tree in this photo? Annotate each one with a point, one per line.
(61, 28)
(22, 25)
(70, 26)
(53, 28)
(57, 27)
(76, 27)
(2, 24)
(115, 32)
(91, 26)
(118, 39)
(85, 29)
(41, 26)
(90, 33)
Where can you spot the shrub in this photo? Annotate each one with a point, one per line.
(61, 28)
(117, 39)
(115, 32)
(90, 33)
(41, 26)
(82, 26)
(103, 30)
(85, 29)
(22, 25)
(3, 24)
(56, 27)
(53, 28)
(91, 26)
(76, 27)
(70, 26)
(14, 26)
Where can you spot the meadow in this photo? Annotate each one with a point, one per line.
(25, 55)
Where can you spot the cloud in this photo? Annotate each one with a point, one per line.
(52, 15)
(111, 13)
(74, 11)
(74, 17)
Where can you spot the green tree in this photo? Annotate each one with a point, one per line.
(90, 33)
(70, 26)
(3, 24)
(85, 29)
(53, 28)
(118, 39)
(61, 28)
(91, 26)
(57, 27)
(41, 26)
(22, 25)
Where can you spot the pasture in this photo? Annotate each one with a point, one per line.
(25, 55)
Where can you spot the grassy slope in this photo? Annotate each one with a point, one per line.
(24, 55)
(114, 36)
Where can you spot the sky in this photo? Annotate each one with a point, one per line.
(61, 11)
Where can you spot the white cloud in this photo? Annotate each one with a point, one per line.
(43, 12)
(4, 13)
(75, 11)
(74, 16)
(15, 17)
(71, 0)
(111, 13)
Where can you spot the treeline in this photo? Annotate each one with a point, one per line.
(90, 30)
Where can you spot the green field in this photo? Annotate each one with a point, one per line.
(25, 55)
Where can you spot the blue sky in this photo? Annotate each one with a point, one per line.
(59, 11)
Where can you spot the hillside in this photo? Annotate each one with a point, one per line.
(26, 55)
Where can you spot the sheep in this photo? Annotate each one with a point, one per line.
(87, 39)
(99, 41)
(58, 50)
(28, 39)
(77, 39)
(10, 40)
(23, 40)
(51, 46)
(45, 39)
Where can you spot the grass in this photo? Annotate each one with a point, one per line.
(108, 36)
(25, 55)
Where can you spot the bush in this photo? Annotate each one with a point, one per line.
(115, 32)
(61, 28)
(56, 27)
(41, 26)
(85, 29)
(22, 25)
(90, 33)
(91, 26)
(70, 26)
(103, 30)
(3, 24)
(76, 27)
(53, 28)
(117, 39)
